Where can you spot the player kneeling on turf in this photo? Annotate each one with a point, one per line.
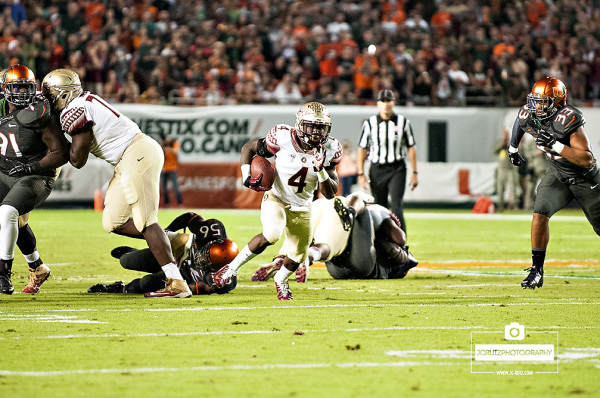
(198, 253)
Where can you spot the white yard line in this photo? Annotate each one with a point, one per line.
(487, 217)
(220, 368)
(249, 332)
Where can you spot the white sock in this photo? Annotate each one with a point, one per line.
(171, 235)
(315, 253)
(171, 271)
(30, 258)
(242, 258)
(282, 275)
(9, 230)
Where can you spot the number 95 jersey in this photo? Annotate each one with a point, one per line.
(295, 168)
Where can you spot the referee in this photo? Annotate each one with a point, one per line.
(383, 138)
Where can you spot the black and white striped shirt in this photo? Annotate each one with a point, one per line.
(386, 139)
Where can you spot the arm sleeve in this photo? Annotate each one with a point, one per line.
(517, 134)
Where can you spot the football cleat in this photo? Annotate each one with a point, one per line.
(302, 271)
(283, 291)
(223, 277)
(6, 286)
(117, 287)
(534, 279)
(266, 272)
(343, 211)
(175, 288)
(36, 278)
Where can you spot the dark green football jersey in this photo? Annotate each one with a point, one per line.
(20, 136)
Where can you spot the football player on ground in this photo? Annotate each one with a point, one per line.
(33, 147)
(26, 241)
(306, 157)
(131, 202)
(354, 239)
(199, 253)
(572, 171)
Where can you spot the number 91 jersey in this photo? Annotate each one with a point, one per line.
(20, 135)
(295, 168)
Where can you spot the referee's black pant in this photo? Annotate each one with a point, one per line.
(389, 180)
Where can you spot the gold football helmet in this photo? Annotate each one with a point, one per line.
(19, 85)
(313, 123)
(547, 96)
(61, 86)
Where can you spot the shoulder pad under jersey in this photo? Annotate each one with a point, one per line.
(567, 120)
(36, 115)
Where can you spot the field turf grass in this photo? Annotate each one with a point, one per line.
(359, 338)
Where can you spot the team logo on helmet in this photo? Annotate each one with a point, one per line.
(313, 123)
(61, 86)
(547, 96)
(18, 83)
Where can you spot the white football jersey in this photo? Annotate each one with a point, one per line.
(113, 131)
(295, 175)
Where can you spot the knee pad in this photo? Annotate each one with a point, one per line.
(272, 233)
(8, 216)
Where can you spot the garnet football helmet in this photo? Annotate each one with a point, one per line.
(215, 254)
(61, 86)
(19, 86)
(313, 123)
(547, 96)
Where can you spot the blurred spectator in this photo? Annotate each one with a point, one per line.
(507, 176)
(347, 169)
(287, 91)
(170, 169)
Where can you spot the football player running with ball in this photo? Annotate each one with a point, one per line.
(305, 157)
(131, 202)
(572, 171)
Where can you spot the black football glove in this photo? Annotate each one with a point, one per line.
(516, 158)
(20, 169)
(254, 183)
(545, 139)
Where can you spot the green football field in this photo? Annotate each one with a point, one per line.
(417, 336)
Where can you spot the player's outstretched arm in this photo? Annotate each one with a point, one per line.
(58, 146)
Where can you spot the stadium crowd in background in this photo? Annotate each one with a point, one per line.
(447, 52)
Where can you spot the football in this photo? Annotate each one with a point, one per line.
(261, 165)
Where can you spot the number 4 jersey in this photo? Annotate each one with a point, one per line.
(295, 169)
(113, 131)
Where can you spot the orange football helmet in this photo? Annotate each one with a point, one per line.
(547, 96)
(215, 254)
(19, 86)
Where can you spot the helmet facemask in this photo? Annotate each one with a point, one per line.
(541, 107)
(313, 124)
(19, 86)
